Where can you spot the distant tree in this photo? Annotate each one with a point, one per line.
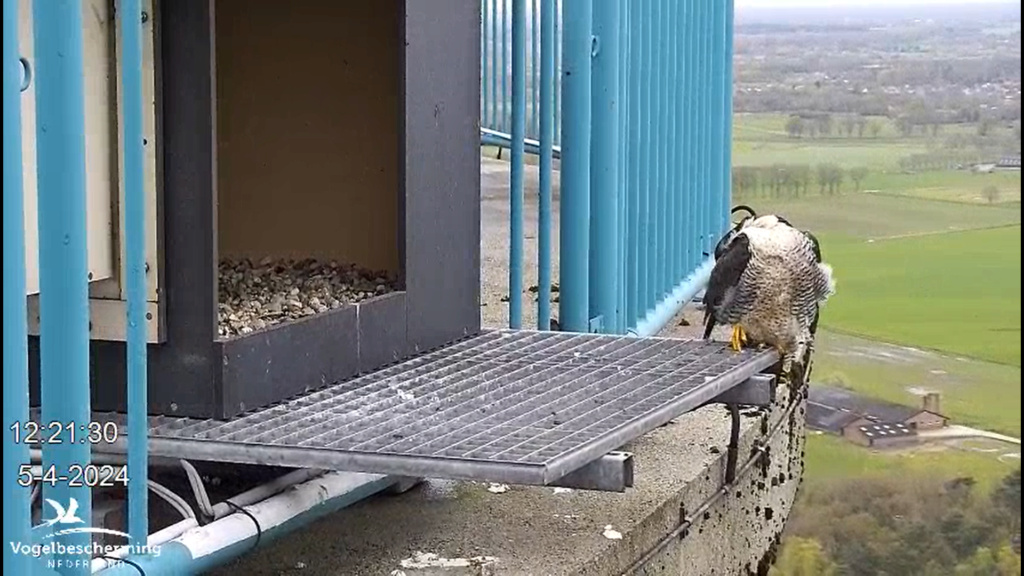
(804, 557)
(849, 124)
(874, 128)
(857, 175)
(981, 563)
(991, 194)
(904, 125)
(825, 124)
(795, 126)
(984, 127)
(935, 126)
(861, 125)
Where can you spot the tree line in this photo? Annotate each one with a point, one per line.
(795, 180)
(905, 526)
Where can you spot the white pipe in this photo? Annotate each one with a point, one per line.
(155, 539)
(264, 491)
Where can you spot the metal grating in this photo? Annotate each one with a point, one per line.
(512, 406)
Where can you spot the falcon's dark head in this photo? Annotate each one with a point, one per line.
(726, 240)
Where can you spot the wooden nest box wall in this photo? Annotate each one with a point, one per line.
(315, 198)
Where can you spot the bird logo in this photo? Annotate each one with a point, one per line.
(69, 517)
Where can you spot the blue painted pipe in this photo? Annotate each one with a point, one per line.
(623, 113)
(604, 168)
(63, 262)
(533, 127)
(558, 72)
(500, 139)
(658, 278)
(515, 268)
(130, 15)
(674, 270)
(574, 213)
(17, 518)
(547, 136)
(505, 120)
(494, 97)
(485, 47)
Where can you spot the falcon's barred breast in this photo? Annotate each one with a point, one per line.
(768, 283)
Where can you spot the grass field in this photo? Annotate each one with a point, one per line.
(957, 292)
(974, 393)
(922, 261)
(830, 458)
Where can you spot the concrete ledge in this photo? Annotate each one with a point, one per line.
(533, 531)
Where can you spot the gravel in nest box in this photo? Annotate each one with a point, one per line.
(255, 295)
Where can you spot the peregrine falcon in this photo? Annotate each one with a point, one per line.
(769, 283)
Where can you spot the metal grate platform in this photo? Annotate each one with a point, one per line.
(511, 406)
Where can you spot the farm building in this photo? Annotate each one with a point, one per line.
(246, 239)
(868, 421)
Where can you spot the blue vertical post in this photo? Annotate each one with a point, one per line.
(624, 34)
(505, 120)
(63, 262)
(534, 125)
(135, 255)
(690, 130)
(17, 519)
(485, 88)
(672, 272)
(702, 86)
(558, 72)
(515, 268)
(646, 123)
(634, 303)
(730, 15)
(547, 136)
(574, 214)
(664, 222)
(604, 167)
(494, 43)
(657, 183)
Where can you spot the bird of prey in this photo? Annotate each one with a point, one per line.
(769, 282)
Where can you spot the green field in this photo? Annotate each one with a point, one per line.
(922, 261)
(974, 393)
(831, 458)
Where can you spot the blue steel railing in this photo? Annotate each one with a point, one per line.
(56, 77)
(635, 98)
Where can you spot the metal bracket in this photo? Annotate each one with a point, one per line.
(758, 390)
(613, 472)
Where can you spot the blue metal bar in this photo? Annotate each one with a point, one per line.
(130, 14)
(490, 137)
(620, 325)
(657, 184)
(17, 517)
(690, 130)
(494, 43)
(634, 303)
(680, 126)
(547, 135)
(574, 214)
(702, 130)
(534, 128)
(558, 72)
(604, 168)
(656, 319)
(665, 283)
(674, 270)
(646, 121)
(716, 117)
(505, 120)
(63, 262)
(485, 48)
(730, 16)
(515, 268)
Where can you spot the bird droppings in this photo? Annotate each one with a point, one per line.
(421, 560)
(494, 488)
(256, 295)
(611, 533)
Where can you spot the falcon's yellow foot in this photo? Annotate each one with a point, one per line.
(738, 338)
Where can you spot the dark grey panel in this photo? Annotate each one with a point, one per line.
(290, 359)
(442, 169)
(382, 334)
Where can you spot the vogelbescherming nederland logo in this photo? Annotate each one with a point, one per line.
(66, 521)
